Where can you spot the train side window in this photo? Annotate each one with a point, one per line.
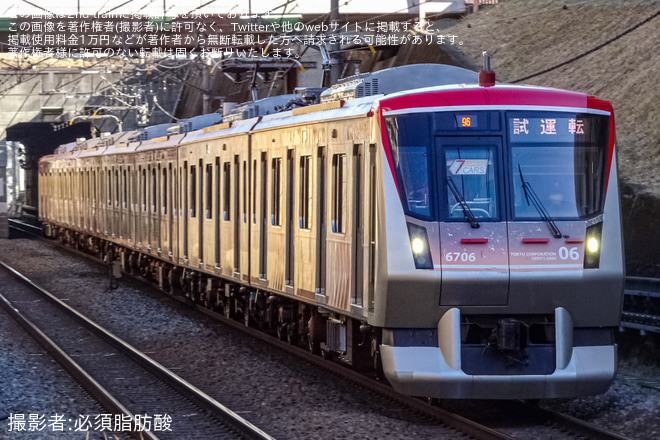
(305, 162)
(275, 218)
(201, 191)
(165, 191)
(135, 191)
(109, 187)
(117, 192)
(338, 196)
(254, 191)
(154, 190)
(245, 189)
(217, 193)
(175, 192)
(209, 191)
(81, 180)
(184, 193)
(144, 189)
(125, 202)
(226, 172)
(193, 191)
(217, 212)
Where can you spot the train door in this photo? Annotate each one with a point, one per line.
(170, 212)
(193, 230)
(94, 212)
(125, 206)
(166, 210)
(473, 228)
(263, 238)
(357, 225)
(81, 185)
(289, 264)
(157, 211)
(208, 237)
(154, 239)
(108, 205)
(150, 206)
(135, 206)
(217, 241)
(371, 221)
(142, 208)
(321, 223)
(184, 197)
(237, 223)
(254, 229)
(200, 215)
(176, 210)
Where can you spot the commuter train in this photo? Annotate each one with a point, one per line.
(461, 238)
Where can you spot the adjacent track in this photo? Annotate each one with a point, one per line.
(641, 304)
(125, 381)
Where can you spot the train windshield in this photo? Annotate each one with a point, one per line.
(562, 157)
(445, 166)
(411, 154)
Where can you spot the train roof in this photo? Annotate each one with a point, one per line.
(394, 90)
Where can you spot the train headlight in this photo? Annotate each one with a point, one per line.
(419, 243)
(592, 249)
(592, 245)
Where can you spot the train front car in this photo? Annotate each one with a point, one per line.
(504, 253)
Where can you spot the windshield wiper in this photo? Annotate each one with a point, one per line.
(530, 194)
(461, 200)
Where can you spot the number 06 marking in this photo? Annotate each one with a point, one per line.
(572, 253)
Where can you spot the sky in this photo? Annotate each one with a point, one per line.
(11, 8)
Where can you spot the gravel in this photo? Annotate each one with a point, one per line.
(33, 386)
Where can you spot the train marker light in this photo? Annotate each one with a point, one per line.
(592, 245)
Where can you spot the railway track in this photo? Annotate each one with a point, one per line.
(143, 398)
(25, 228)
(555, 425)
(547, 424)
(641, 304)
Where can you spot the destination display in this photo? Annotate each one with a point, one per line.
(549, 129)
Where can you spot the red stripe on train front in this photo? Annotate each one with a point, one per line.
(599, 104)
(386, 147)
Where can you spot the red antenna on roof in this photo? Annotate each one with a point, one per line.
(486, 76)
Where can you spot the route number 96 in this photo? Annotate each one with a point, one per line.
(460, 256)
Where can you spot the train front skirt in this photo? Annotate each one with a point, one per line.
(436, 371)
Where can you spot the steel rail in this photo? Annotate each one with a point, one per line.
(95, 389)
(579, 427)
(182, 386)
(456, 421)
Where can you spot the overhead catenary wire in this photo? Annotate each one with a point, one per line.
(590, 51)
(155, 99)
